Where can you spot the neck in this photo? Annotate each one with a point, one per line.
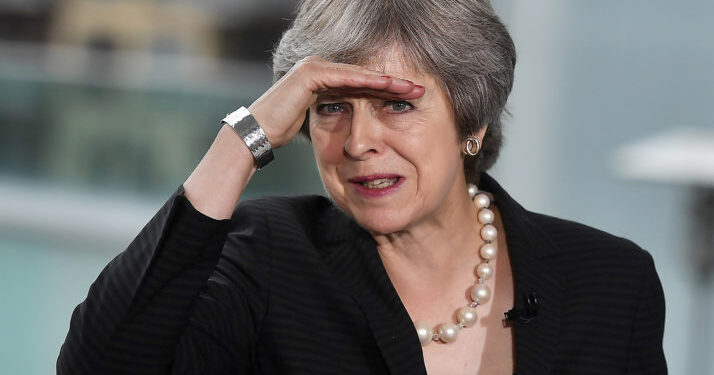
(434, 245)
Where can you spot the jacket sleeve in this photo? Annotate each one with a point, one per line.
(168, 303)
(646, 355)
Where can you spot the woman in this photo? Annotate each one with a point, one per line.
(407, 268)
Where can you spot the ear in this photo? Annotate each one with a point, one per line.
(480, 134)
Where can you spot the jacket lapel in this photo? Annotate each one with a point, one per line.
(353, 256)
(529, 248)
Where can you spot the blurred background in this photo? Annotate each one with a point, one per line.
(106, 107)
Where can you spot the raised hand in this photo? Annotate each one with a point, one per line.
(281, 110)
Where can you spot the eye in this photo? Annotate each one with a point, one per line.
(399, 106)
(330, 108)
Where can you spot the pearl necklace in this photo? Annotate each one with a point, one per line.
(480, 292)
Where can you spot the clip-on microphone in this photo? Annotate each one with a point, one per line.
(524, 315)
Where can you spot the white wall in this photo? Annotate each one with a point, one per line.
(592, 77)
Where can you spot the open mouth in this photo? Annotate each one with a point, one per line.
(379, 183)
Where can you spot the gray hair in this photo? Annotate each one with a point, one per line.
(462, 43)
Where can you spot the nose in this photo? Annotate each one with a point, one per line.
(364, 140)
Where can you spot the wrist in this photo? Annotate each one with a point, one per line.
(252, 134)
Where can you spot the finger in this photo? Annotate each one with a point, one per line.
(404, 87)
(324, 75)
(343, 79)
(355, 68)
(382, 86)
(397, 85)
(415, 92)
(327, 76)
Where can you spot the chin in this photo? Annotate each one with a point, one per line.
(380, 222)
(384, 219)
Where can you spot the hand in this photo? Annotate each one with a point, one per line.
(280, 111)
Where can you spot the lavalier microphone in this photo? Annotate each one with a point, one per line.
(524, 315)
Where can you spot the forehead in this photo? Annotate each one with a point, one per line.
(395, 61)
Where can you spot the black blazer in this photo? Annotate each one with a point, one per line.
(294, 286)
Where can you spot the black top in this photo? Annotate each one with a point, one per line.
(292, 285)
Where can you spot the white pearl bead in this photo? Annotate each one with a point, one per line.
(448, 332)
(489, 233)
(484, 271)
(480, 293)
(424, 332)
(482, 200)
(473, 190)
(488, 251)
(467, 316)
(486, 216)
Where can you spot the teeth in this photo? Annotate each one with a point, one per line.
(380, 183)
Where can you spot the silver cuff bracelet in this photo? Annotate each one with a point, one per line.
(252, 134)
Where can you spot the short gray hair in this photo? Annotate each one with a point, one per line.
(462, 43)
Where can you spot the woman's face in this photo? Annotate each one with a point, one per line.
(391, 165)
